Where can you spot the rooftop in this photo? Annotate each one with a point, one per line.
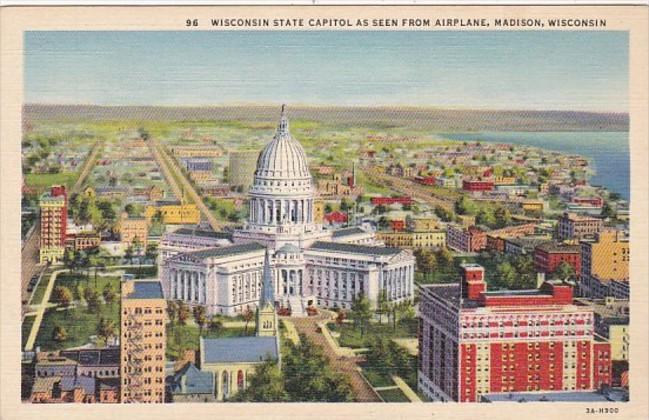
(558, 248)
(93, 357)
(354, 248)
(339, 233)
(146, 289)
(226, 250)
(195, 381)
(202, 233)
(238, 349)
(612, 394)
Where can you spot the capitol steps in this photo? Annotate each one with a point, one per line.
(297, 309)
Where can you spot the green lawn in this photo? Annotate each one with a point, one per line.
(185, 337)
(393, 395)
(43, 181)
(350, 336)
(71, 280)
(377, 378)
(78, 323)
(26, 328)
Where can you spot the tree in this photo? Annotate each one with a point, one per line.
(463, 205)
(340, 318)
(59, 333)
(485, 217)
(426, 260)
(308, 375)
(172, 311)
(106, 329)
(444, 257)
(215, 324)
(444, 214)
(200, 317)
(502, 217)
(128, 254)
(248, 315)
(92, 298)
(266, 384)
(564, 271)
(506, 274)
(151, 253)
(361, 313)
(109, 294)
(382, 305)
(346, 204)
(62, 295)
(608, 212)
(183, 312)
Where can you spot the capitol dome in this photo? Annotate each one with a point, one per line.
(283, 158)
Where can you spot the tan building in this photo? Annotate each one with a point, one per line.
(318, 211)
(604, 259)
(575, 226)
(532, 205)
(131, 229)
(429, 239)
(143, 341)
(241, 168)
(422, 223)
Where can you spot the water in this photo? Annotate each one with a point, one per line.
(608, 151)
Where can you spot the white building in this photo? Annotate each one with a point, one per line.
(310, 264)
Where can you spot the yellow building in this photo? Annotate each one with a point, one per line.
(90, 192)
(143, 341)
(430, 239)
(133, 229)
(175, 214)
(318, 211)
(202, 176)
(504, 180)
(532, 205)
(607, 256)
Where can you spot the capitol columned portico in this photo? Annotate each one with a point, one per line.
(310, 265)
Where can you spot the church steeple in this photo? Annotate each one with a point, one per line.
(266, 315)
(267, 295)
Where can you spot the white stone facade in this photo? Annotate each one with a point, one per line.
(310, 264)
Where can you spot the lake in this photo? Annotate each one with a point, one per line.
(608, 151)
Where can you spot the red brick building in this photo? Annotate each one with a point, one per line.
(386, 201)
(474, 342)
(425, 180)
(549, 255)
(478, 185)
(336, 217)
(397, 225)
(470, 239)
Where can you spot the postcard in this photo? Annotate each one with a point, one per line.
(324, 211)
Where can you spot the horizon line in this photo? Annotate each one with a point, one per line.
(302, 105)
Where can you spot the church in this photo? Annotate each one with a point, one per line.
(310, 265)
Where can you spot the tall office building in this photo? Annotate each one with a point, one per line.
(54, 216)
(143, 341)
(474, 342)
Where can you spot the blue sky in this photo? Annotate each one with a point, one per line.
(567, 70)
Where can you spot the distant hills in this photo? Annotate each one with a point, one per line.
(434, 119)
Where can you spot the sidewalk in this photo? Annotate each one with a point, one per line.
(409, 393)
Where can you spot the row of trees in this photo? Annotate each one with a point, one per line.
(361, 312)
(63, 296)
(87, 209)
(306, 375)
(388, 358)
